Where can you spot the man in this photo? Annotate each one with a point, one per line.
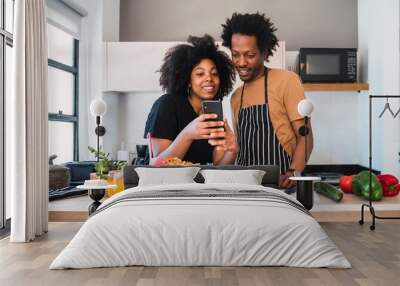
(264, 108)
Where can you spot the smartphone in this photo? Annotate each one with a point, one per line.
(213, 106)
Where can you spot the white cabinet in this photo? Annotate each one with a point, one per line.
(133, 66)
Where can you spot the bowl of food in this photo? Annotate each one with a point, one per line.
(174, 161)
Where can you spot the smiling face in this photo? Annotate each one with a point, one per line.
(204, 80)
(247, 58)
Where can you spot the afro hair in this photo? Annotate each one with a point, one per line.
(180, 60)
(251, 25)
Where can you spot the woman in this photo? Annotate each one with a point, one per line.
(190, 74)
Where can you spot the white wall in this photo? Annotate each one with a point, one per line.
(379, 46)
(90, 70)
(111, 12)
(132, 111)
(112, 120)
(306, 23)
(335, 128)
(101, 24)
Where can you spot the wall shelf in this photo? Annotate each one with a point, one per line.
(358, 86)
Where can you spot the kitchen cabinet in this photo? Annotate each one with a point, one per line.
(133, 66)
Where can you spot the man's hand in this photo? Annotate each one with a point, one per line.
(284, 182)
(225, 140)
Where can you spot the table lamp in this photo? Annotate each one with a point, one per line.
(304, 192)
(98, 107)
(305, 108)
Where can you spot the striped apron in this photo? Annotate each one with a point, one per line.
(257, 140)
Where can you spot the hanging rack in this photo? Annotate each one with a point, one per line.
(369, 205)
(387, 107)
(397, 113)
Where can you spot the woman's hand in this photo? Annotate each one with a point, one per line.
(202, 127)
(224, 140)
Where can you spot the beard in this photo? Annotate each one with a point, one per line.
(250, 74)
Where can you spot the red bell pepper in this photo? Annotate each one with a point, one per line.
(390, 185)
(345, 184)
(397, 188)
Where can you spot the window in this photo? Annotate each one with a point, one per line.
(63, 94)
(6, 44)
(9, 15)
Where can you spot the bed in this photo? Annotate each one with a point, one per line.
(201, 224)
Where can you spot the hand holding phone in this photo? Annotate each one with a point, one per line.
(213, 106)
(208, 125)
(217, 135)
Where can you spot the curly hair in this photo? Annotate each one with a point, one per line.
(180, 60)
(251, 25)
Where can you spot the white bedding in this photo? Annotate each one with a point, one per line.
(182, 231)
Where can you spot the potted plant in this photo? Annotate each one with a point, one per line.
(110, 170)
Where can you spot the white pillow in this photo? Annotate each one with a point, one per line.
(165, 176)
(249, 177)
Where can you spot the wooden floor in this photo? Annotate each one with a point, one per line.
(374, 255)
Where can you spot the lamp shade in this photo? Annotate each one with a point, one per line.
(305, 107)
(98, 107)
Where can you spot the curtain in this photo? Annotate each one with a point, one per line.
(28, 119)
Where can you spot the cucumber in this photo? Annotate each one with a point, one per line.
(329, 191)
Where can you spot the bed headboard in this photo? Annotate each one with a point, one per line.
(270, 178)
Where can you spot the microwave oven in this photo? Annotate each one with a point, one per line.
(328, 65)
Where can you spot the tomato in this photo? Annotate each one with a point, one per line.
(345, 183)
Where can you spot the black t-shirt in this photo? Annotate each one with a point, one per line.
(169, 115)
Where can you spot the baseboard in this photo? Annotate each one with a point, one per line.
(350, 216)
(68, 216)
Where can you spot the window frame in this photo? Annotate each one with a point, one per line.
(74, 70)
(6, 39)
